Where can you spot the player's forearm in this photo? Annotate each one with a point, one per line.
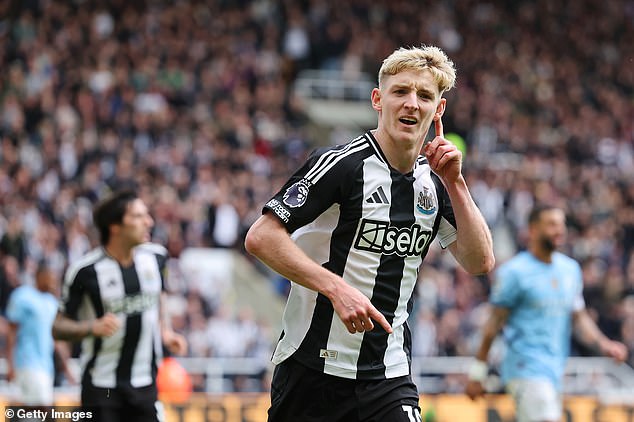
(67, 329)
(488, 335)
(474, 244)
(11, 338)
(268, 241)
(491, 329)
(288, 260)
(165, 319)
(587, 332)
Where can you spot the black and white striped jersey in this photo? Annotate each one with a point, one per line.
(361, 219)
(97, 284)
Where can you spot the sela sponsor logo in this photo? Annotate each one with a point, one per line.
(296, 195)
(131, 305)
(378, 236)
(279, 210)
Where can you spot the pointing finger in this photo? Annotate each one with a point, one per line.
(438, 127)
(378, 317)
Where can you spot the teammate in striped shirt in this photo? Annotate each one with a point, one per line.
(350, 229)
(111, 302)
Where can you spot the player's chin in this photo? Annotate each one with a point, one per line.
(408, 134)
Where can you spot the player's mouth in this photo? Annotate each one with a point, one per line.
(409, 121)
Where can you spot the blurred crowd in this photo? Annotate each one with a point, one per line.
(192, 103)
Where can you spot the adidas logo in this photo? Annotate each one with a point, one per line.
(328, 354)
(378, 197)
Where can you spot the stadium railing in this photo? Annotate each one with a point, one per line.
(595, 376)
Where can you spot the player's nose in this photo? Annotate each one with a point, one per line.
(411, 100)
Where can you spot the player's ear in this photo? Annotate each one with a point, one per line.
(376, 99)
(440, 108)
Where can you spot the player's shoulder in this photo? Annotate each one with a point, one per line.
(518, 262)
(337, 162)
(514, 267)
(20, 292)
(87, 260)
(152, 248)
(342, 153)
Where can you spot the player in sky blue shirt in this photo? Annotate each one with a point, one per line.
(537, 304)
(543, 297)
(31, 312)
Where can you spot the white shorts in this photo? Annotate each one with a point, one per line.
(36, 387)
(535, 400)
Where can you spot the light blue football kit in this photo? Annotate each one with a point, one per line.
(541, 298)
(34, 312)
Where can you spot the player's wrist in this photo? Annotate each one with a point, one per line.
(331, 288)
(91, 328)
(478, 371)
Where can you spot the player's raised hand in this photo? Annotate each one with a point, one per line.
(444, 158)
(356, 311)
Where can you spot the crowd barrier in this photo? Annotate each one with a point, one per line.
(245, 407)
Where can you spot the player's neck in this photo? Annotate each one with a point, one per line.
(542, 255)
(399, 157)
(121, 254)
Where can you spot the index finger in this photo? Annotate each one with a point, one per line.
(378, 317)
(438, 127)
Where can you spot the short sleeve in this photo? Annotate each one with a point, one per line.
(447, 232)
(73, 291)
(506, 288)
(578, 302)
(15, 308)
(311, 190)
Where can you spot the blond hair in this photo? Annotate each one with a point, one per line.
(419, 58)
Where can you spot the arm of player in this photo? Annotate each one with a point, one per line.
(473, 247)
(63, 352)
(65, 328)
(269, 241)
(175, 342)
(586, 331)
(11, 338)
(478, 372)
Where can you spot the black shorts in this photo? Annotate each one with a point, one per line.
(299, 393)
(122, 404)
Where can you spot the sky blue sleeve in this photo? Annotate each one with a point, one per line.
(578, 302)
(15, 308)
(506, 288)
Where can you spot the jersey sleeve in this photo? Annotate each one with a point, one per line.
(15, 308)
(73, 290)
(447, 232)
(311, 190)
(164, 270)
(578, 303)
(161, 255)
(506, 289)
